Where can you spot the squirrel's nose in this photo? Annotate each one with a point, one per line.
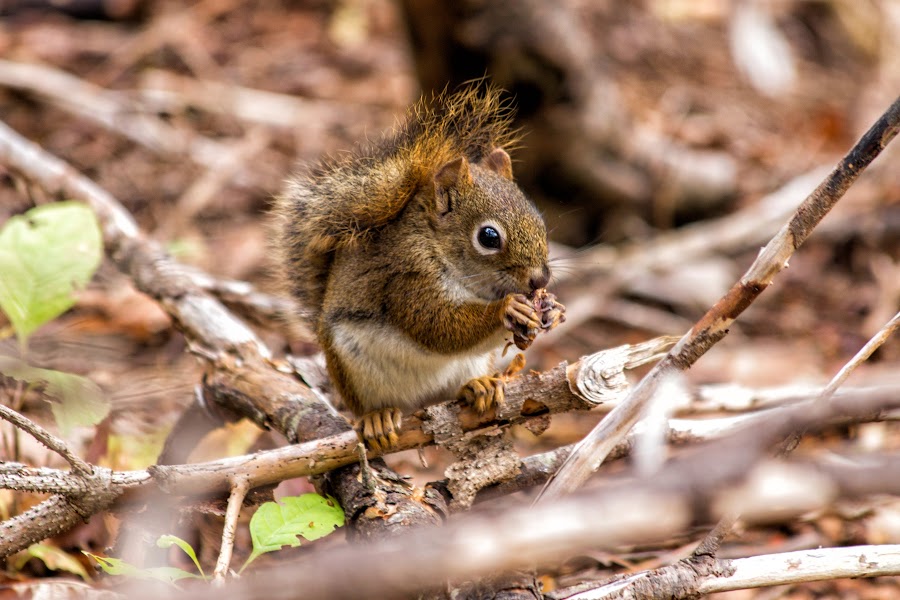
(540, 278)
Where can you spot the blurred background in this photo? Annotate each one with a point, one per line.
(664, 140)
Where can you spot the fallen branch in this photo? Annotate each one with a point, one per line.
(721, 476)
(709, 547)
(714, 325)
(691, 580)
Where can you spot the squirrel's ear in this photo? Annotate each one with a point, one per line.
(499, 162)
(453, 174)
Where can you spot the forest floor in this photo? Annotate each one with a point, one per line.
(349, 75)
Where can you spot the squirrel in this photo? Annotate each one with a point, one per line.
(416, 256)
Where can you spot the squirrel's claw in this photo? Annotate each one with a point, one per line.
(483, 393)
(378, 429)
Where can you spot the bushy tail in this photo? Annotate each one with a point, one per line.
(341, 201)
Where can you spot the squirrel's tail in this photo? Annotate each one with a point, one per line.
(341, 201)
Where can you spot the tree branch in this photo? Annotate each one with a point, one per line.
(722, 475)
(46, 438)
(713, 326)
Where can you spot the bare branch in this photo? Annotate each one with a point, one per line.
(51, 517)
(46, 438)
(808, 565)
(682, 581)
(864, 353)
(320, 456)
(239, 488)
(61, 512)
(633, 512)
(710, 545)
(714, 325)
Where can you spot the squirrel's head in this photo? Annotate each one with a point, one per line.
(491, 233)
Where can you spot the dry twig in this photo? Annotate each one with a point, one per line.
(743, 573)
(46, 438)
(240, 485)
(864, 353)
(714, 325)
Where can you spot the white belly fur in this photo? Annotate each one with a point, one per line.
(388, 369)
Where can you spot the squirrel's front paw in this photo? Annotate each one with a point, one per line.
(526, 316)
(483, 393)
(521, 318)
(378, 429)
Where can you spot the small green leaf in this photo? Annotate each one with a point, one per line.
(167, 541)
(80, 401)
(54, 558)
(113, 566)
(275, 525)
(45, 254)
(315, 516)
(117, 566)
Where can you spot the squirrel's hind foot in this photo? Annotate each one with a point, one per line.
(483, 393)
(378, 429)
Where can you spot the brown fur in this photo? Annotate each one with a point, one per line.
(381, 249)
(343, 201)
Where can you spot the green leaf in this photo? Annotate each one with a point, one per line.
(80, 401)
(117, 566)
(167, 574)
(276, 525)
(53, 557)
(167, 541)
(45, 255)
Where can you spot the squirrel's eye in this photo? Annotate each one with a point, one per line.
(489, 238)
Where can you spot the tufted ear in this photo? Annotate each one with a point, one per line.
(499, 162)
(447, 181)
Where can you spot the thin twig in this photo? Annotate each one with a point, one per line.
(864, 353)
(711, 543)
(592, 450)
(240, 485)
(46, 438)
